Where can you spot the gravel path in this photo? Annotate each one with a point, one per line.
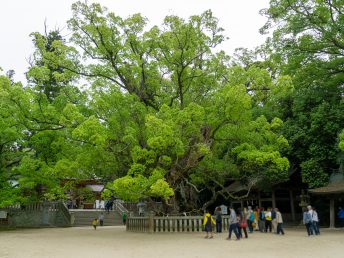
(116, 242)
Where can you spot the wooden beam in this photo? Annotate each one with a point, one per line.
(332, 213)
(292, 205)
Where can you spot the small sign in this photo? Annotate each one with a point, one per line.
(3, 214)
(224, 209)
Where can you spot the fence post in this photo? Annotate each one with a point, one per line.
(151, 222)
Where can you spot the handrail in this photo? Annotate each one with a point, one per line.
(63, 208)
(119, 207)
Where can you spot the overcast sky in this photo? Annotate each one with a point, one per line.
(19, 18)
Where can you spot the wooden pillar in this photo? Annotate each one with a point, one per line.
(332, 213)
(292, 205)
(273, 197)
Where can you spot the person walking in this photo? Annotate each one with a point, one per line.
(340, 215)
(279, 221)
(242, 223)
(218, 218)
(208, 222)
(233, 224)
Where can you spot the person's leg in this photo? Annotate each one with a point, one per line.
(270, 224)
(230, 231)
(250, 228)
(274, 225)
(316, 228)
(309, 228)
(211, 233)
(245, 231)
(207, 233)
(262, 225)
(278, 229)
(281, 228)
(266, 226)
(218, 226)
(236, 231)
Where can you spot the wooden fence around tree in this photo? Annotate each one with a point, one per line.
(153, 224)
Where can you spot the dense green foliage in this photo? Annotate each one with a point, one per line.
(157, 113)
(308, 45)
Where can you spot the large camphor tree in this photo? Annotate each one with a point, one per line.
(163, 114)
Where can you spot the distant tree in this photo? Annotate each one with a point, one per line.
(308, 46)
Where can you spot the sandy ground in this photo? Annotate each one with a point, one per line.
(116, 242)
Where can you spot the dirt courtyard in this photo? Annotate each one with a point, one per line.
(86, 242)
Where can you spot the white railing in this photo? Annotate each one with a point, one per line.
(119, 206)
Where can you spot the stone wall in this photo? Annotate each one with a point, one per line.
(39, 215)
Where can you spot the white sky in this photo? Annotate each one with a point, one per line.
(19, 18)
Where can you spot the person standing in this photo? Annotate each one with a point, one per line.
(208, 222)
(250, 219)
(268, 220)
(101, 219)
(261, 220)
(256, 218)
(340, 215)
(233, 224)
(307, 220)
(279, 221)
(218, 219)
(124, 218)
(315, 221)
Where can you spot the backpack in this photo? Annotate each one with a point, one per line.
(261, 215)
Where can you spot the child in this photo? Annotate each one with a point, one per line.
(208, 221)
(94, 223)
(124, 217)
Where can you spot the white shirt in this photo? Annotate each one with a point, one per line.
(314, 215)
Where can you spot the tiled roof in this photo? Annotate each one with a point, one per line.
(331, 188)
